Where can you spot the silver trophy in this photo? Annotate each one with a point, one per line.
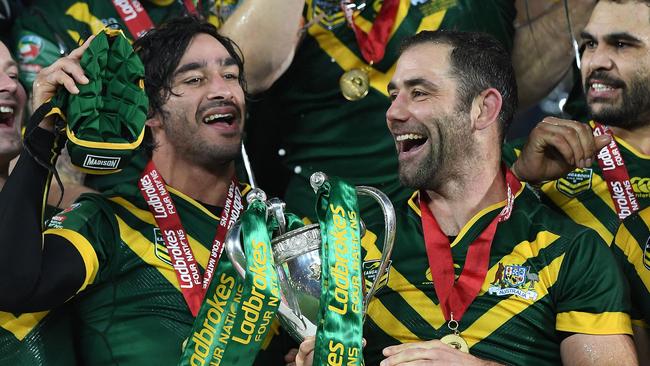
(297, 260)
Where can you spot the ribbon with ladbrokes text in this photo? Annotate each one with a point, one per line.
(615, 173)
(231, 325)
(193, 285)
(340, 317)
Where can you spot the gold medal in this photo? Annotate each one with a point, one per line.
(455, 341)
(354, 84)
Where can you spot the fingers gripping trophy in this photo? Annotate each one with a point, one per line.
(319, 266)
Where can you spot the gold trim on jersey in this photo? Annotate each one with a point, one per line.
(85, 249)
(415, 206)
(588, 323)
(577, 211)
(430, 312)
(21, 325)
(634, 254)
(348, 60)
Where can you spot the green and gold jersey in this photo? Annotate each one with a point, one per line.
(42, 338)
(50, 29)
(130, 309)
(37, 339)
(631, 247)
(319, 128)
(547, 278)
(583, 195)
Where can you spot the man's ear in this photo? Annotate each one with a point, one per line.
(485, 108)
(154, 121)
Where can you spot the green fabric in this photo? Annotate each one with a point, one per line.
(48, 25)
(111, 109)
(133, 313)
(575, 270)
(631, 248)
(583, 195)
(321, 131)
(340, 317)
(261, 294)
(48, 340)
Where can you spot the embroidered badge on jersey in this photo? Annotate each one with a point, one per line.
(641, 186)
(646, 254)
(576, 182)
(329, 12)
(428, 7)
(514, 280)
(159, 246)
(370, 269)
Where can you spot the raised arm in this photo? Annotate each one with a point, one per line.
(38, 271)
(267, 32)
(542, 51)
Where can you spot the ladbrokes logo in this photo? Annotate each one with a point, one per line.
(101, 162)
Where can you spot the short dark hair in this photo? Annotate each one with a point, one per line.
(478, 61)
(161, 50)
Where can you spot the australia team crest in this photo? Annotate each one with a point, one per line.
(160, 249)
(514, 280)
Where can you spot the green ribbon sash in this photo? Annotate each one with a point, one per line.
(340, 318)
(235, 318)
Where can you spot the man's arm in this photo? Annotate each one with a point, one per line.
(267, 32)
(542, 51)
(38, 271)
(585, 349)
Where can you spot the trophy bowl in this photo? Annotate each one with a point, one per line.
(298, 264)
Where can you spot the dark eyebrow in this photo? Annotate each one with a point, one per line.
(614, 37)
(189, 67)
(415, 82)
(226, 61)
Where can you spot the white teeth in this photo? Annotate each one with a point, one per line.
(601, 87)
(408, 136)
(6, 109)
(212, 117)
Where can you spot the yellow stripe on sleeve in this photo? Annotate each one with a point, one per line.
(589, 323)
(85, 249)
(21, 325)
(633, 253)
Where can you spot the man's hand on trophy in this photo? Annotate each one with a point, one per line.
(555, 147)
(429, 352)
(65, 71)
(304, 356)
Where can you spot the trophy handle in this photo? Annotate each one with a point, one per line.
(389, 236)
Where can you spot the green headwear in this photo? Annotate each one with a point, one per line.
(105, 121)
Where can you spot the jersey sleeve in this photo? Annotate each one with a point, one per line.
(631, 249)
(592, 296)
(86, 225)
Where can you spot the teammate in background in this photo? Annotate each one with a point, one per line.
(479, 264)
(31, 338)
(107, 251)
(631, 248)
(616, 78)
(307, 119)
